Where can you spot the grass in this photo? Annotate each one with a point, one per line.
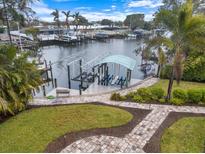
(185, 136)
(32, 130)
(183, 85)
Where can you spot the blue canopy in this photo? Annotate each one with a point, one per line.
(120, 59)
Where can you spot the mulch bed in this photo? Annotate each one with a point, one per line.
(154, 143)
(120, 131)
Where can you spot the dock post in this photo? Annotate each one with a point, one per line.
(107, 69)
(69, 83)
(55, 81)
(81, 78)
(98, 75)
(93, 70)
(127, 78)
(51, 71)
(80, 90)
(46, 65)
(44, 90)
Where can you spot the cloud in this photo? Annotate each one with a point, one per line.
(43, 12)
(145, 3)
(41, 8)
(83, 8)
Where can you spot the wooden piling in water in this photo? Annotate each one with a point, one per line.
(69, 81)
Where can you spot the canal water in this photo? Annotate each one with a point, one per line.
(60, 56)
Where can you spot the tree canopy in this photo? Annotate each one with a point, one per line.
(135, 21)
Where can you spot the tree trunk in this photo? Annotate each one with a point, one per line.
(7, 22)
(171, 81)
(158, 70)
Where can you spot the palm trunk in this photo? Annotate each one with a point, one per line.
(7, 22)
(171, 81)
(158, 70)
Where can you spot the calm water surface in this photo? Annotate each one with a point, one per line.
(59, 56)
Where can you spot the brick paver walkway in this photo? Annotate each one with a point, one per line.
(137, 138)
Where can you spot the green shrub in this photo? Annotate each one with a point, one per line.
(138, 99)
(203, 95)
(176, 101)
(195, 95)
(194, 68)
(157, 93)
(180, 94)
(130, 95)
(162, 100)
(117, 97)
(123, 98)
(145, 93)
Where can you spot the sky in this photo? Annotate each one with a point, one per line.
(95, 10)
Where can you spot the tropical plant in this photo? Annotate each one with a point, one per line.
(188, 35)
(161, 60)
(67, 15)
(15, 11)
(76, 19)
(56, 16)
(18, 78)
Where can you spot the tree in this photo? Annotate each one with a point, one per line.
(76, 19)
(18, 78)
(67, 15)
(161, 60)
(148, 25)
(106, 22)
(55, 15)
(118, 23)
(82, 21)
(15, 11)
(173, 4)
(135, 21)
(188, 35)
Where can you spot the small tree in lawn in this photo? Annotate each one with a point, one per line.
(188, 35)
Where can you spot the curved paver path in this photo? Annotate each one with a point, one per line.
(137, 138)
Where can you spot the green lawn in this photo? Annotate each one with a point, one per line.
(32, 130)
(185, 136)
(183, 84)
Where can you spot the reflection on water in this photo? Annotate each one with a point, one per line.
(59, 56)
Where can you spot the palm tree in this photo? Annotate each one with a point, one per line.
(188, 35)
(67, 15)
(76, 19)
(18, 78)
(161, 60)
(14, 11)
(55, 14)
(7, 20)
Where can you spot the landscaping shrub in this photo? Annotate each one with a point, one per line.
(176, 101)
(162, 100)
(194, 69)
(145, 93)
(138, 99)
(203, 95)
(195, 95)
(117, 97)
(130, 95)
(180, 94)
(157, 93)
